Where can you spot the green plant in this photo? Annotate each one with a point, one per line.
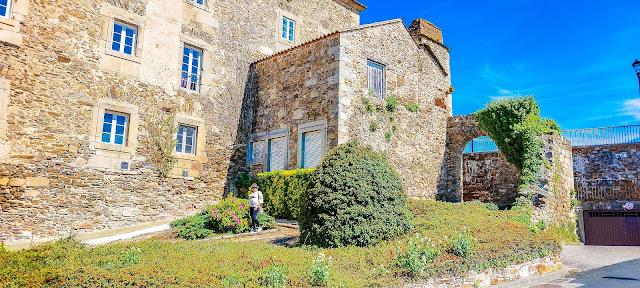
(194, 227)
(392, 103)
(387, 136)
(230, 215)
(411, 107)
(357, 198)
(243, 183)
(419, 252)
(233, 281)
(373, 126)
(367, 105)
(266, 221)
(462, 245)
(394, 128)
(516, 126)
(283, 191)
(319, 273)
(162, 142)
(130, 256)
(274, 276)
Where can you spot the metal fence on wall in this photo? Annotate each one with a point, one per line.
(607, 189)
(579, 137)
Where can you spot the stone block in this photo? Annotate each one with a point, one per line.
(37, 181)
(31, 193)
(544, 268)
(4, 181)
(16, 182)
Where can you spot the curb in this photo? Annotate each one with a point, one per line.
(538, 279)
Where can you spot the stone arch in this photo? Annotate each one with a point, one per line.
(460, 130)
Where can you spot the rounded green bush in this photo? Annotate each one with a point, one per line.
(356, 198)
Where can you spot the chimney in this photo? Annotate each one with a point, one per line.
(421, 30)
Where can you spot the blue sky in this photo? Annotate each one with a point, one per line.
(574, 56)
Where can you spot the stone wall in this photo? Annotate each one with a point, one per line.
(489, 178)
(491, 277)
(417, 139)
(621, 161)
(61, 75)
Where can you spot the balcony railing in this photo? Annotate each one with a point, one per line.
(607, 189)
(579, 138)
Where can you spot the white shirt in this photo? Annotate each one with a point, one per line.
(255, 199)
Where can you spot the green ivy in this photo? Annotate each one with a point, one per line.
(516, 126)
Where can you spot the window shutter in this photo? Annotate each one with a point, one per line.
(312, 149)
(277, 155)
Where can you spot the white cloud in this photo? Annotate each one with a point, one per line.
(632, 107)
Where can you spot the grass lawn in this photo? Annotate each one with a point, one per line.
(499, 240)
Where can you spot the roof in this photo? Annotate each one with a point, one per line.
(331, 34)
(354, 4)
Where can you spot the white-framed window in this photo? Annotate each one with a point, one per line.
(288, 29)
(5, 8)
(375, 74)
(311, 149)
(124, 38)
(186, 139)
(277, 154)
(191, 63)
(114, 128)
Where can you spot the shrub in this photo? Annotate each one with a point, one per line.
(194, 227)
(320, 270)
(283, 191)
(462, 245)
(411, 107)
(243, 184)
(274, 276)
(230, 215)
(357, 199)
(392, 103)
(266, 221)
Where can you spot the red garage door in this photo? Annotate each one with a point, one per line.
(612, 228)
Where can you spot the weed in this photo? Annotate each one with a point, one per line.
(387, 136)
(462, 245)
(392, 103)
(411, 107)
(274, 276)
(373, 126)
(320, 270)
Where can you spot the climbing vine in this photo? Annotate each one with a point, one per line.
(516, 126)
(162, 141)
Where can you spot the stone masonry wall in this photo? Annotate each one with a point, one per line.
(52, 177)
(620, 161)
(489, 178)
(417, 139)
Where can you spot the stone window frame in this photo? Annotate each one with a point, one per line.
(193, 44)
(200, 141)
(10, 26)
(95, 133)
(311, 127)
(5, 90)
(204, 6)
(112, 15)
(266, 137)
(384, 76)
(296, 30)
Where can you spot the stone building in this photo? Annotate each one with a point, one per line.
(90, 91)
(311, 98)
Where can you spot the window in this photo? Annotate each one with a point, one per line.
(5, 8)
(277, 154)
(114, 128)
(375, 74)
(186, 139)
(191, 59)
(257, 151)
(199, 2)
(311, 149)
(124, 38)
(288, 29)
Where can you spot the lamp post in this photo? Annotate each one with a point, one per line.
(636, 65)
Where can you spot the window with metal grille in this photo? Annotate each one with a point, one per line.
(191, 63)
(288, 29)
(311, 149)
(114, 128)
(5, 8)
(186, 139)
(124, 38)
(277, 154)
(375, 74)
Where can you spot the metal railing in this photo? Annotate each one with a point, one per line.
(607, 189)
(629, 134)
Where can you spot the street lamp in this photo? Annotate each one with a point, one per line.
(636, 65)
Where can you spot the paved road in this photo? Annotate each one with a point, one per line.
(599, 267)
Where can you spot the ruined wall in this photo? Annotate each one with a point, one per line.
(416, 145)
(489, 178)
(54, 174)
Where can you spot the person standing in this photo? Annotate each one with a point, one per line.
(255, 204)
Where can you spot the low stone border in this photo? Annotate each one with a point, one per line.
(231, 236)
(498, 276)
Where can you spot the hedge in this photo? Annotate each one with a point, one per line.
(283, 191)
